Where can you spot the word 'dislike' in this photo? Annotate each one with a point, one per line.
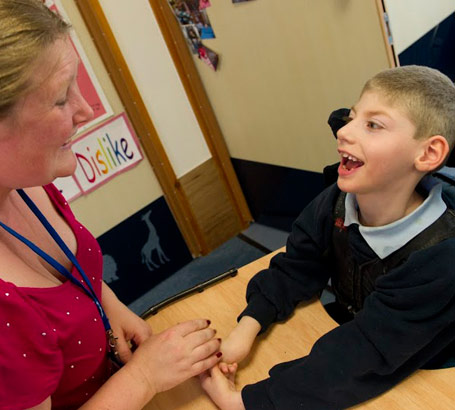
(104, 152)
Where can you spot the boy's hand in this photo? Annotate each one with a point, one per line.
(221, 387)
(238, 344)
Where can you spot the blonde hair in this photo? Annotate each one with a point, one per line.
(27, 28)
(427, 96)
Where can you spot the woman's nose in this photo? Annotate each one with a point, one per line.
(84, 112)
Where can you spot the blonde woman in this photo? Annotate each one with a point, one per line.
(58, 320)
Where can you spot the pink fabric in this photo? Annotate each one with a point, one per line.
(52, 340)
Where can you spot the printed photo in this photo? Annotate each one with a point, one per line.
(209, 57)
(203, 4)
(191, 33)
(189, 12)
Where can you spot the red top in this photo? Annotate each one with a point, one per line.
(52, 340)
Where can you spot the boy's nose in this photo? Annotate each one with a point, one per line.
(345, 133)
(342, 132)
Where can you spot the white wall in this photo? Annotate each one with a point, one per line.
(284, 66)
(127, 193)
(140, 40)
(411, 19)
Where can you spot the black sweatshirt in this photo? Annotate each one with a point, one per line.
(407, 320)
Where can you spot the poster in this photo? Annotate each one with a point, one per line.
(106, 151)
(86, 79)
(68, 187)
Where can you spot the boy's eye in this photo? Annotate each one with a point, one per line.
(373, 125)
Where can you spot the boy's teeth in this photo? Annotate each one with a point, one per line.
(350, 157)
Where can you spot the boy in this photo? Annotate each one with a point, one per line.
(385, 235)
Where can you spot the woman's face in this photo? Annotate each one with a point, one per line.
(35, 137)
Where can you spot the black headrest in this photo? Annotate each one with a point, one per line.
(337, 119)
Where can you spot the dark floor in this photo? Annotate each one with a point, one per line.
(254, 242)
(251, 244)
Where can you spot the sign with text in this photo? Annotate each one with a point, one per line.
(68, 187)
(104, 152)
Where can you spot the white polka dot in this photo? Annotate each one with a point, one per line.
(8, 324)
(80, 227)
(79, 342)
(54, 330)
(93, 377)
(77, 297)
(82, 280)
(65, 203)
(93, 278)
(85, 380)
(25, 355)
(86, 394)
(6, 294)
(72, 366)
(96, 320)
(101, 349)
(89, 249)
(68, 313)
(43, 334)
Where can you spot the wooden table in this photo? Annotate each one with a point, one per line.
(221, 303)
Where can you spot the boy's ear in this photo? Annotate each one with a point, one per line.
(434, 151)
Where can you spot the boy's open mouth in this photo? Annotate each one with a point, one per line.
(349, 162)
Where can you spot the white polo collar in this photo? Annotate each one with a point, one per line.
(386, 239)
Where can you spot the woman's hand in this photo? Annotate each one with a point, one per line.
(239, 342)
(128, 327)
(159, 363)
(218, 383)
(173, 356)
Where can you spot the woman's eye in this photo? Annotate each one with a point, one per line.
(61, 103)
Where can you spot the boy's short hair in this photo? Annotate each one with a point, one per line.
(427, 95)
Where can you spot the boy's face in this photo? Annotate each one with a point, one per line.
(377, 148)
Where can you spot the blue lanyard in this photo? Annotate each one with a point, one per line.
(55, 264)
(88, 289)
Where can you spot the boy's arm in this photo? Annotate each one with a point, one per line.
(299, 273)
(293, 276)
(239, 342)
(406, 322)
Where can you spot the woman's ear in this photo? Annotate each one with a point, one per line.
(434, 152)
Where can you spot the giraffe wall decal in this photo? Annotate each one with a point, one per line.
(109, 269)
(152, 244)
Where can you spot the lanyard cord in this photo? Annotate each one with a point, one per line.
(55, 264)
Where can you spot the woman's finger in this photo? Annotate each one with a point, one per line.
(206, 349)
(199, 337)
(206, 364)
(191, 326)
(123, 350)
